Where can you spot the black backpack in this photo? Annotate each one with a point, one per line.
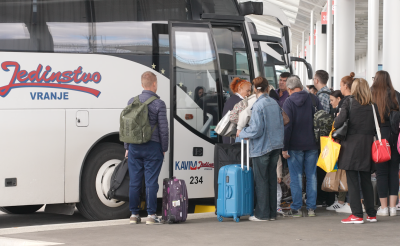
(119, 184)
(322, 121)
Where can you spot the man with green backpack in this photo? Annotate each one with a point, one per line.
(144, 130)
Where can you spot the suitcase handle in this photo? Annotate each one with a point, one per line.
(228, 192)
(247, 156)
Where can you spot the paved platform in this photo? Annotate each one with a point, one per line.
(204, 229)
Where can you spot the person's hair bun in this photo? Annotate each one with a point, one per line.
(352, 75)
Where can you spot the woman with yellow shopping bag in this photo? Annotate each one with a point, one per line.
(355, 150)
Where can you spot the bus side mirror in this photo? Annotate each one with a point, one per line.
(308, 65)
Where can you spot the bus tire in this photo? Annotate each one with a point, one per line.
(28, 209)
(93, 205)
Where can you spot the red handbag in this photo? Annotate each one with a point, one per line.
(381, 151)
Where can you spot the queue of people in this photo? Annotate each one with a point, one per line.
(270, 140)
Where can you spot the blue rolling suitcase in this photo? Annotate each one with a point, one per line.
(235, 190)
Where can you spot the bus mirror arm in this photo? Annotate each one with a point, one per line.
(308, 65)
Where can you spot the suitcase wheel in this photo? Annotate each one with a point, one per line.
(237, 219)
(220, 219)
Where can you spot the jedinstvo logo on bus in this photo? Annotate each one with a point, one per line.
(45, 79)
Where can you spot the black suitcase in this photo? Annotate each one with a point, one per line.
(225, 154)
(119, 184)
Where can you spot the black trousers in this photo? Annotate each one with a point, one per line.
(354, 193)
(264, 168)
(387, 176)
(328, 197)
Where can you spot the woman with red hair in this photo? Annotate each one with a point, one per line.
(240, 89)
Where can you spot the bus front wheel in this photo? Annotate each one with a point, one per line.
(95, 183)
(28, 209)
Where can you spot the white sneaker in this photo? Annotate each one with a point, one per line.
(253, 218)
(345, 209)
(383, 211)
(334, 206)
(393, 211)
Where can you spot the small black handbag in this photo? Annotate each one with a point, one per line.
(341, 132)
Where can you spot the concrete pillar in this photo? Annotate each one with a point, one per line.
(344, 39)
(297, 63)
(329, 41)
(357, 65)
(310, 50)
(320, 61)
(391, 37)
(373, 35)
(380, 55)
(303, 80)
(308, 60)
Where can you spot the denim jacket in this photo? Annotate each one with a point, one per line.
(265, 129)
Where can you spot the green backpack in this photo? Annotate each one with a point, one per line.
(322, 122)
(134, 122)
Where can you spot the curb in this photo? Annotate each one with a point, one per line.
(91, 224)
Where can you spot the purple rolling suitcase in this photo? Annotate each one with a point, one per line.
(175, 201)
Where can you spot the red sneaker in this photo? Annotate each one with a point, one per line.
(353, 220)
(372, 219)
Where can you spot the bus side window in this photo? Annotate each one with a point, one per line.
(63, 26)
(45, 26)
(16, 27)
(126, 29)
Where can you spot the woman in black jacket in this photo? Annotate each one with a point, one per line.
(387, 173)
(355, 152)
(240, 88)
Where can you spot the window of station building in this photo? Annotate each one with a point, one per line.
(219, 7)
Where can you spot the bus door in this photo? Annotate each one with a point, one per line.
(233, 54)
(196, 105)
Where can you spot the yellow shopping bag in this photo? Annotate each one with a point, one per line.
(329, 153)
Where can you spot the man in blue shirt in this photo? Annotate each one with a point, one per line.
(320, 79)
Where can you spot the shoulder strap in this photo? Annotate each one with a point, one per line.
(150, 100)
(120, 175)
(351, 103)
(314, 104)
(378, 131)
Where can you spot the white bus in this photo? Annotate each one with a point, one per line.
(69, 67)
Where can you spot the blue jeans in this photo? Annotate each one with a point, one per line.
(303, 162)
(144, 160)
